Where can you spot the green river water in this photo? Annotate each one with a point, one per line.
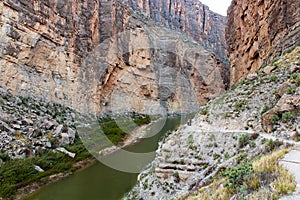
(100, 182)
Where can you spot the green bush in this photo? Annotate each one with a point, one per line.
(286, 117)
(244, 140)
(4, 157)
(19, 172)
(297, 81)
(274, 119)
(240, 105)
(265, 109)
(294, 76)
(204, 111)
(14, 173)
(142, 120)
(114, 133)
(272, 144)
(273, 78)
(236, 176)
(290, 90)
(216, 156)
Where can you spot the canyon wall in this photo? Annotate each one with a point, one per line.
(259, 31)
(191, 17)
(101, 56)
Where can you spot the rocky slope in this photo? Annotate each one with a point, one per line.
(259, 31)
(28, 126)
(88, 54)
(227, 129)
(191, 17)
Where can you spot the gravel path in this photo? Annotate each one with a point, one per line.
(292, 162)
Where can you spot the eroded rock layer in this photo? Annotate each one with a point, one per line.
(102, 56)
(259, 31)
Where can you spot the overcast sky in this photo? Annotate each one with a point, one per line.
(218, 6)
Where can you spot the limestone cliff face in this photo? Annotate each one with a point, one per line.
(99, 56)
(191, 17)
(259, 31)
(42, 46)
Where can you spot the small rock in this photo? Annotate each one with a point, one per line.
(48, 125)
(293, 69)
(64, 139)
(282, 89)
(63, 150)
(36, 133)
(30, 130)
(38, 168)
(58, 130)
(252, 76)
(71, 134)
(48, 144)
(269, 69)
(298, 129)
(26, 121)
(16, 126)
(5, 117)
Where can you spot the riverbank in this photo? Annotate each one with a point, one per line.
(136, 136)
(100, 181)
(27, 191)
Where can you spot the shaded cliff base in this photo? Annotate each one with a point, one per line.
(258, 115)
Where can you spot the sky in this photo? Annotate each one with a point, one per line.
(218, 6)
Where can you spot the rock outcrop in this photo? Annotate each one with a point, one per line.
(87, 54)
(259, 31)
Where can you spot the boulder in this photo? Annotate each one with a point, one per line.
(38, 168)
(48, 124)
(282, 89)
(269, 69)
(64, 139)
(252, 76)
(63, 150)
(287, 103)
(58, 130)
(71, 134)
(293, 69)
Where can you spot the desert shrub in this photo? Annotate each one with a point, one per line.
(244, 140)
(236, 176)
(297, 81)
(290, 90)
(286, 117)
(265, 109)
(273, 78)
(274, 119)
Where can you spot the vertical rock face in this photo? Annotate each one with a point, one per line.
(259, 31)
(42, 45)
(91, 55)
(191, 17)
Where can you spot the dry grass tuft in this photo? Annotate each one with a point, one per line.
(269, 180)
